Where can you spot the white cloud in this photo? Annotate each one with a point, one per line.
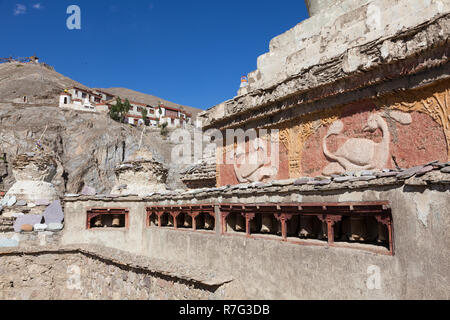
(20, 9)
(38, 6)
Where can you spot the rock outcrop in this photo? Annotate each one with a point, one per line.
(86, 148)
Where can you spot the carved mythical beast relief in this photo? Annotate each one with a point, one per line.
(411, 126)
(358, 154)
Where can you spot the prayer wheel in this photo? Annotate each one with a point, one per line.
(307, 227)
(240, 222)
(187, 221)
(116, 221)
(358, 229)
(170, 223)
(98, 222)
(209, 222)
(323, 230)
(267, 223)
(382, 233)
(292, 226)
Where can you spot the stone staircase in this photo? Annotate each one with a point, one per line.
(6, 224)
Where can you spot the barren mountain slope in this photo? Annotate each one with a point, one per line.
(86, 146)
(38, 83)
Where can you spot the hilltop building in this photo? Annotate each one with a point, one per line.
(100, 101)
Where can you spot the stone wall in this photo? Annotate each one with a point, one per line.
(267, 268)
(94, 274)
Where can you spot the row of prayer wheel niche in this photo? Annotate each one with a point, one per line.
(107, 218)
(196, 217)
(332, 224)
(357, 225)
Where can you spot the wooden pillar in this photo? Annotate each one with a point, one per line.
(283, 218)
(331, 220)
(223, 218)
(194, 216)
(387, 221)
(248, 217)
(175, 215)
(159, 214)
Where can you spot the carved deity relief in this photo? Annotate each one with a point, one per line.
(358, 154)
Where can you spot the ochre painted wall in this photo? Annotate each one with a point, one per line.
(412, 127)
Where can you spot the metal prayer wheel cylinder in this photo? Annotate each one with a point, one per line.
(98, 222)
(382, 233)
(231, 222)
(279, 228)
(187, 221)
(180, 220)
(170, 222)
(116, 221)
(154, 220)
(267, 223)
(240, 222)
(306, 227)
(292, 225)
(323, 231)
(358, 229)
(164, 220)
(209, 222)
(372, 229)
(254, 226)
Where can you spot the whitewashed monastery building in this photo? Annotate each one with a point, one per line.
(98, 101)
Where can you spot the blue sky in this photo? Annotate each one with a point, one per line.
(189, 52)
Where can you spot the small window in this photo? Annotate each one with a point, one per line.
(107, 218)
(65, 100)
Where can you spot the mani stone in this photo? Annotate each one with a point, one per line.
(446, 170)
(17, 214)
(302, 181)
(387, 174)
(88, 191)
(21, 203)
(40, 227)
(42, 203)
(366, 178)
(367, 173)
(26, 228)
(8, 243)
(30, 219)
(4, 201)
(342, 179)
(11, 201)
(409, 172)
(54, 213)
(425, 170)
(55, 227)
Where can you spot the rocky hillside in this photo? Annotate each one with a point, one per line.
(38, 83)
(87, 147)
